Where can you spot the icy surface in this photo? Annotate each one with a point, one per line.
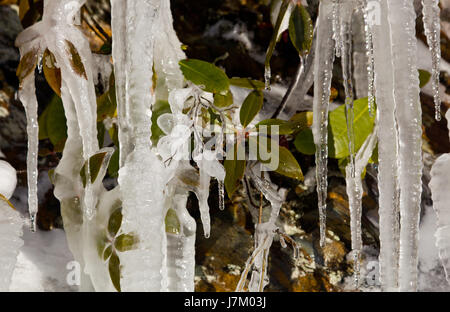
(323, 71)
(355, 192)
(387, 154)
(8, 179)
(432, 27)
(401, 17)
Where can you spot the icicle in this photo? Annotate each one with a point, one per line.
(264, 234)
(440, 180)
(27, 95)
(432, 26)
(323, 71)
(355, 192)
(337, 33)
(181, 248)
(402, 16)
(118, 25)
(370, 56)
(387, 153)
(345, 20)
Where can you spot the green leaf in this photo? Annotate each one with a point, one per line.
(159, 108)
(304, 142)
(301, 29)
(172, 222)
(114, 270)
(113, 167)
(251, 106)
(43, 133)
(363, 125)
(337, 131)
(106, 104)
(273, 41)
(424, 77)
(95, 164)
(115, 222)
(287, 164)
(234, 170)
(223, 100)
(205, 75)
(56, 123)
(107, 253)
(296, 124)
(247, 83)
(125, 242)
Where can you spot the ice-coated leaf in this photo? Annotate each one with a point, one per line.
(159, 108)
(223, 100)
(106, 104)
(337, 131)
(114, 270)
(95, 164)
(56, 127)
(301, 29)
(205, 75)
(362, 123)
(172, 222)
(51, 72)
(27, 64)
(75, 60)
(115, 221)
(247, 83)
(251, 107)
(125, 242)
(424, 77)
(234, 170)
(297, 123)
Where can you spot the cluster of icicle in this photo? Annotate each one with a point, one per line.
(144, 43)
(392, 65)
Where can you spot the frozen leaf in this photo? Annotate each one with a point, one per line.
(424, 77)
(115, 221)
(301, 29)
(56, 126)
(51, 72)
(75, 60)
(125, 242)
(27, 64)
(223, 100)
(172, 222)
(114, 270)
(95, 164)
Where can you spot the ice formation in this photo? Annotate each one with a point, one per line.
(387, 154)
(58, 33)
(11, 223)
(323, 71)
(355, 192)
(440, 180)
(432, 27)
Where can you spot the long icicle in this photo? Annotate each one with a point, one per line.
(432, 27)
(355, 191)
(408, 113)
(27, 95)
(346, 8)
(368, 24)
(387, 154)
(323, 71)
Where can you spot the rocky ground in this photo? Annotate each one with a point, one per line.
(237, 33)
